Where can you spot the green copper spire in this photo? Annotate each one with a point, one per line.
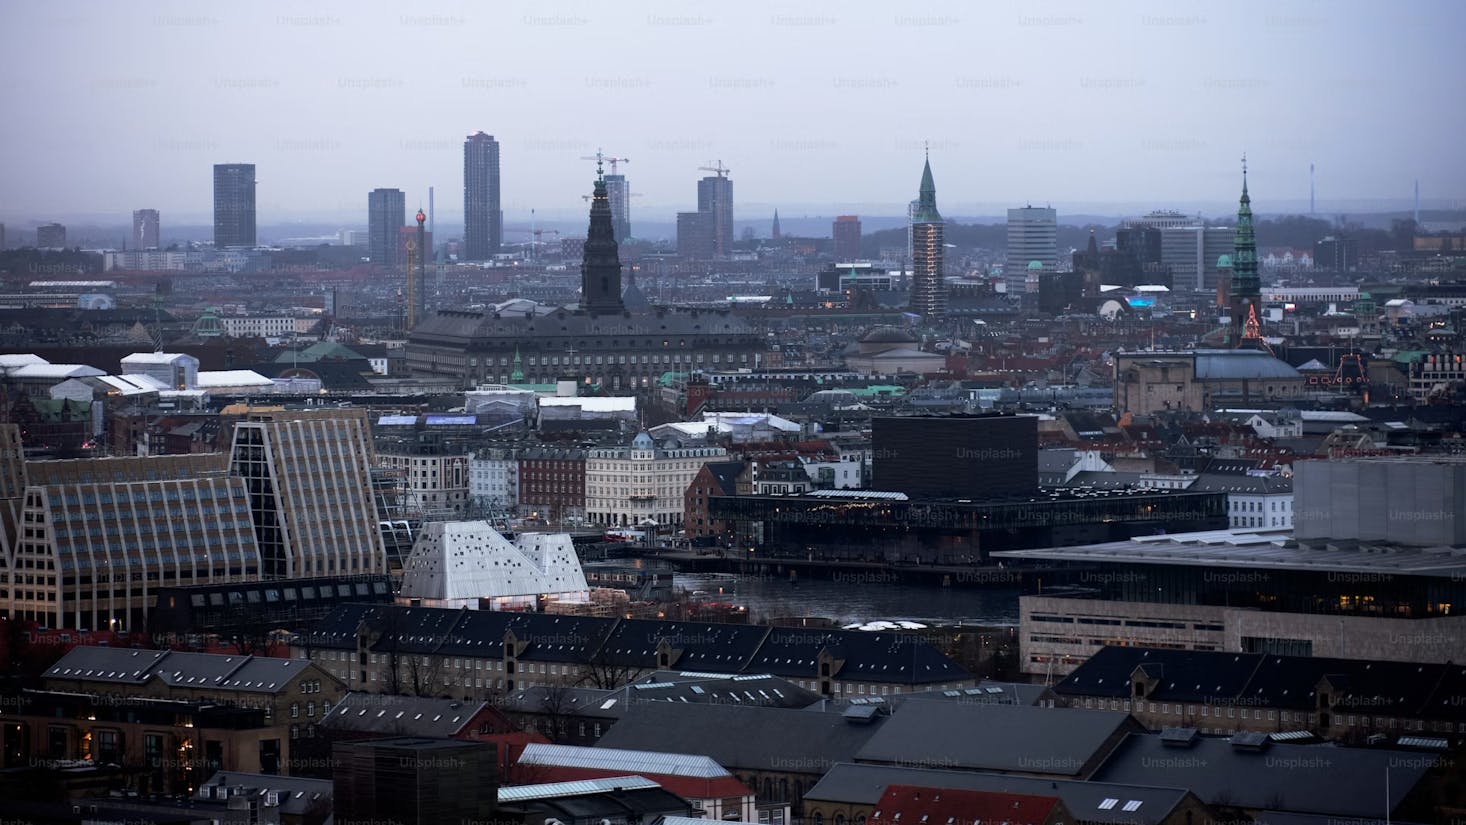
(1245, 283)
(926, 204)
(517, 376)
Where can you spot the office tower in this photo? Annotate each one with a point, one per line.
(1192, 253)
(308, 474)
(600, 267)
(50, 236)
(1033, 234)
(145, 229)
(2, 236)
(980, 456)
(928, 289)
(696, 235)
(112, 531)
(415, 781)
(386, 215)
(619, 194)
(483, 222)
(234, 204)
(715, 196)
(847, 237)
(1246, 289)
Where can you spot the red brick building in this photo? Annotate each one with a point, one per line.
(552, 483)
(717, 478)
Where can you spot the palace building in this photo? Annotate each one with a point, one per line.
(612, 338)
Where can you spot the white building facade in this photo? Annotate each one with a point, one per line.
(627, 486)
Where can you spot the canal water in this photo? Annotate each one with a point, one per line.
(856, 598)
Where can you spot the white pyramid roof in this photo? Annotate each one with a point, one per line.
(471, 560)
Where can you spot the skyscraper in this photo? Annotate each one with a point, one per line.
(145, 229)
(234, 204)
(695, 235)
(483, 221)
(715, 196)
(600, 266)
(847, 237)
(619, 193)
(928, 289)
(1033, 234)
(386, 215)
(50, 236)
(1246, 288)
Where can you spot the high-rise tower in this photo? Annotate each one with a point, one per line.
(483, 220)
(928, 290)
(1246, 287)
(386, 214)
(145, 229)
(715, 195)
(234, 204)
(600, 267)
(619, 194)
(1033, 233)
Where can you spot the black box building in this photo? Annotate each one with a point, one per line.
(973, 457)
(413, 781)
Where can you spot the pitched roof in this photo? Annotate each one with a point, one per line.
(770, 739)
(1016, 738)
(907, 804)
(390, 715)
(265, 674)
(1088, 801)
(1316, 779)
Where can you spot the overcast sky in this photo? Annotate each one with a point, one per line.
(816, 107)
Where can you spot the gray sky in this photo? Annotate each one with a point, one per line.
(817, 107)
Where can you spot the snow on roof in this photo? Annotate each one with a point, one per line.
(132, 384)
(20, 359)
(57, 371)
(155, 357)
(232, 378)
(615, 403)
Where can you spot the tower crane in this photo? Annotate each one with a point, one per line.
(601, 158)
(719, 168)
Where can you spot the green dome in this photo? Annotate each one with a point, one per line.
(1224, 262)
(1032, 265)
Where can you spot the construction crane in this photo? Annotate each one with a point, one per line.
(719, 168)
(602, 158)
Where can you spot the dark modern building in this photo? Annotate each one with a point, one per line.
(386, 215)
(928, 289)
(715, 196)
(847, 237)
(414, 781)
(234, 204)
(1335, 254)
(50, 236)
(483, 219)
(974, 457)
(145, 228)
(695, 235)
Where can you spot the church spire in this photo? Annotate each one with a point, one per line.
(1246, 288)
(600, 267)
(777, 233)
(926, 200)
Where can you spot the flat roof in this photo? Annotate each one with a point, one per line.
(1259, 549)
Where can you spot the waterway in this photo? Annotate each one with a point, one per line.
(855, 598)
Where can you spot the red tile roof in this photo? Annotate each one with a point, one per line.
(915, 805)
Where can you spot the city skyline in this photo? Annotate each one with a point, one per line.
(1118, 133)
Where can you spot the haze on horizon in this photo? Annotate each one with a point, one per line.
(819, 107)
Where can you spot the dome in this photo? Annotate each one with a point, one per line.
(1224, 262)
(643, 442)
(1035, 265)
(888, 335)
